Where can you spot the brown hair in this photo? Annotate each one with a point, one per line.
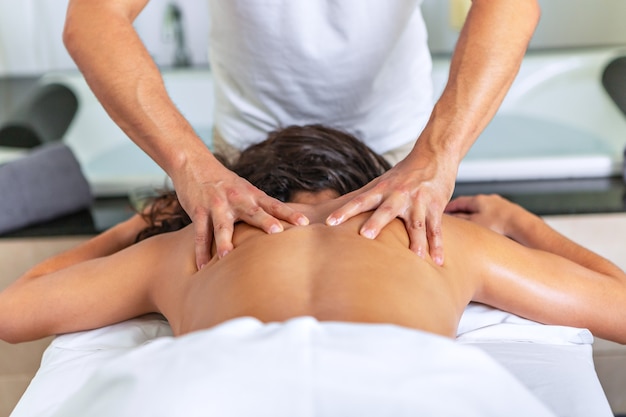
(296, 158)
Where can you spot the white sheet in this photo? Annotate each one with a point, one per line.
(481, 324)
(118, 365)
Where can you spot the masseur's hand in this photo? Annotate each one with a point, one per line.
(416, 190)
(216, 198)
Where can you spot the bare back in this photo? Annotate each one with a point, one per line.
(334, 274)
(331, 273)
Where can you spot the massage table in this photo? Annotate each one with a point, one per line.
(498, 363)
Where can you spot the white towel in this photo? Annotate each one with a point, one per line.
(303, 368)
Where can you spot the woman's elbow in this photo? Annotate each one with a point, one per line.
(614, 335)
(14, 326)
(11, 338)
(14, 333)
(10, 331)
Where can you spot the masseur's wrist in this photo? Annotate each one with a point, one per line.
(193, 164)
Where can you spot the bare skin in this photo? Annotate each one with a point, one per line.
(101, 39)
(326, 272)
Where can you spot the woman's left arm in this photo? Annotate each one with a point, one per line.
(529, 269)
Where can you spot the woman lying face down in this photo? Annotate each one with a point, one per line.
(497, 254)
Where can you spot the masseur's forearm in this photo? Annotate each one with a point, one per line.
(101, 39)
(486, 60)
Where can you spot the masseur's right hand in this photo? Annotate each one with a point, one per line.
(216, 198)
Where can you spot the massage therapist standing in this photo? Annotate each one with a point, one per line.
(358, 65)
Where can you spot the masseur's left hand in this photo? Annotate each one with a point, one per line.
(416, 190)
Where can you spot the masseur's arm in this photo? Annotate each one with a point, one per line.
(101, 39)
(487, 57)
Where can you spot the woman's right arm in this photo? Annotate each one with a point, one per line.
(111, 241)
(103, 281)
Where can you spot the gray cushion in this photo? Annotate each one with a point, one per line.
(44, 184)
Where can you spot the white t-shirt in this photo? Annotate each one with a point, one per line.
(359, 65)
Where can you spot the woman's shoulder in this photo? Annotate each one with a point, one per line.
(176, 246)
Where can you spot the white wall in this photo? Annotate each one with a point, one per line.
(31, 30)
(24, 49)
(563, 24)
(158, 37)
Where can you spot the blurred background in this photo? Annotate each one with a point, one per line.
(30, 34)
(30, 30)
